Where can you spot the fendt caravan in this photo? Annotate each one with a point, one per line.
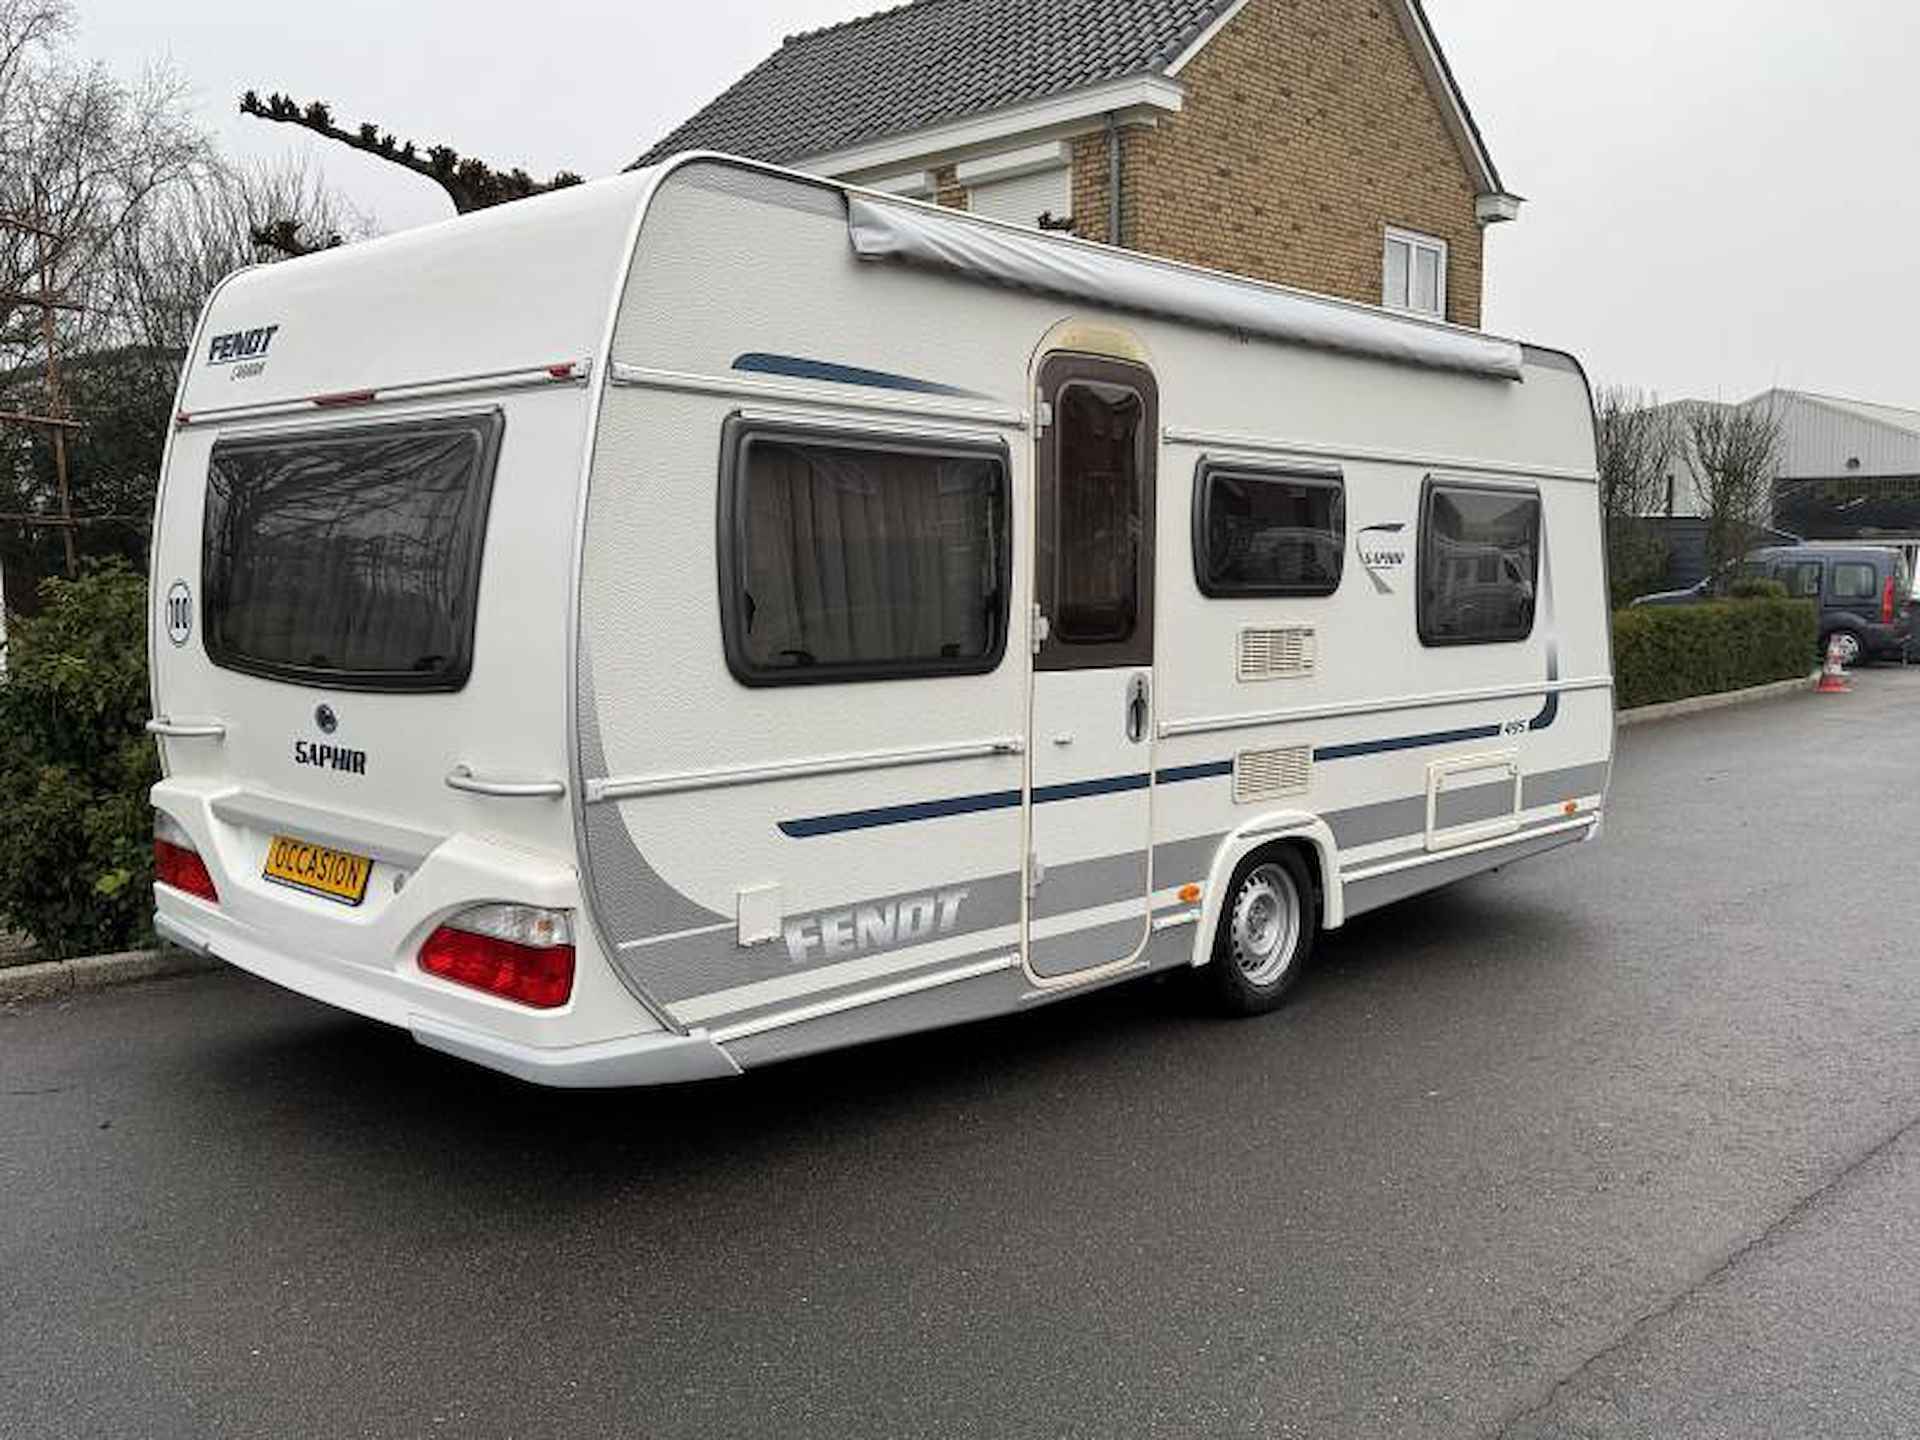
(713, 615)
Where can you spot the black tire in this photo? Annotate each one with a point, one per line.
(1249, 977)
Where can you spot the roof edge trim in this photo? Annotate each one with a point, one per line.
(1148, 91)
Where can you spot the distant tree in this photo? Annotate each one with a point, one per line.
(115, 201)
(1735, 450)
(1638, 444)
(469, 183)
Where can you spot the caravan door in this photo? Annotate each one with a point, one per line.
(1091, 776)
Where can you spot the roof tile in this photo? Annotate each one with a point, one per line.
(931, 61)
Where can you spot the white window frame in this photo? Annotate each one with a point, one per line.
(1415, 242)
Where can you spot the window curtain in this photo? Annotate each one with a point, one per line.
(858, 556)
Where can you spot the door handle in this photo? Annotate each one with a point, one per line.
(187, 729)
(1137, 705)
(461, 777)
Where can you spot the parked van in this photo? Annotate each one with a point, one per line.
(1863, 593)
(714, 614)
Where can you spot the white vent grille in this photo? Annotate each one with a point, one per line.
(1277, 653)
(1263, 774)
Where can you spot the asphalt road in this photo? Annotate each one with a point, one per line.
(1621, 1141)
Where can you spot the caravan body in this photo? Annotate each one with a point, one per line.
(713, 615)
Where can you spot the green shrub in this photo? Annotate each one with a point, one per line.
(76, 831)
(1669, 652)
(1753, 587)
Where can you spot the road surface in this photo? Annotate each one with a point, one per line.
(1621, 1141)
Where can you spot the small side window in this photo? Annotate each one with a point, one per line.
(853, 557)
(1479, 564)
(1853, 580)
(1414, 274)
(1267, 532)
(1801, 577)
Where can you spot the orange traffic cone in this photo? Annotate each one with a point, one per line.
(1833, 675)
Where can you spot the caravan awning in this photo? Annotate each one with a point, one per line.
(1004, 255)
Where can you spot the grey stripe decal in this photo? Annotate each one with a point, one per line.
(1057, 955)
(1569, 784)
(1089, 883)
(964, 1000)
(701, 964)
(1472, 805)
(1365, 895)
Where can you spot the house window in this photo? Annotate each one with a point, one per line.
(1267, 532)
(854, 557)
(1416, 274)
(1479, 563)
(1021, 186)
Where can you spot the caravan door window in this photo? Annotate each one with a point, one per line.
(850, 557)
(1479, 564)
(1267, 532)
(349, 557)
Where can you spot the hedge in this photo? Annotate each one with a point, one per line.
(76, 827)
(1669, 652)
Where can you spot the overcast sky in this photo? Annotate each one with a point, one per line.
(1722, 193)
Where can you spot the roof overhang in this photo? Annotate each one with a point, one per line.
(1493, 203)
(1137, 98)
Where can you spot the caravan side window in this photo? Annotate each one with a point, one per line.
(1267, 532)
(1479, 563)
(854, 557)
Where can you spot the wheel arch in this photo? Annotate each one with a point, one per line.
(1299, 829)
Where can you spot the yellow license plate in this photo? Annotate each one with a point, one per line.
(336, 874)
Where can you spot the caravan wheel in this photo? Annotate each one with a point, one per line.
(1267, 929)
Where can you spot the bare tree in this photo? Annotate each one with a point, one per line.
(116, 221)
(166, 265)
(469, 183)
(1735, 451)
(1638, 445)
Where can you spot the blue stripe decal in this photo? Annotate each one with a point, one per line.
(1405, 742)
(1082, 789)
(813, 825)
(899, 814)
(1195, 772)
(799, 368)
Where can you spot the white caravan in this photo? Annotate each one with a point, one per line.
(713, 615)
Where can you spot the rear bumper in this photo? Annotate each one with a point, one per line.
(1885, 640)
(364, 958)
(656, 1058)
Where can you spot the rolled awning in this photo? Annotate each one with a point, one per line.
(1006, 256)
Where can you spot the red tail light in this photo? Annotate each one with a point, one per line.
(517, 952)
(176, 862)
(1886, 602)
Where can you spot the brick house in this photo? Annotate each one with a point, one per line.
(1322, 144)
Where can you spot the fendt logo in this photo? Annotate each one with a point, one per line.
(241, 345)
(836, 934)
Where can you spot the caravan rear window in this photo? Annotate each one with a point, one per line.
(845, 557)
(1479, 564)
(349, 558)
